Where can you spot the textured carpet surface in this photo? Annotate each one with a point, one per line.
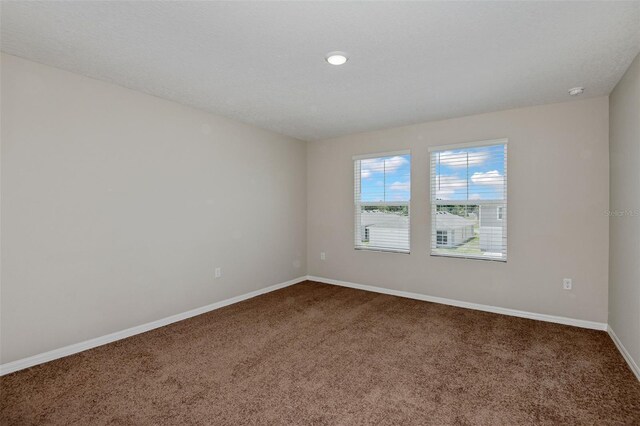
(321, 354)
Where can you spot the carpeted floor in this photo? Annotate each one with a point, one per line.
(321, 354)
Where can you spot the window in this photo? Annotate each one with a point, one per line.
(441, 238)
(382, 191)
(469, 200)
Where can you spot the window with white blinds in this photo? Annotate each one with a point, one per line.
(469, 200)
(382, 193)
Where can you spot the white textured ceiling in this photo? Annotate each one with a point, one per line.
(263, 63)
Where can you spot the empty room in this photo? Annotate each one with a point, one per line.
(319, 213)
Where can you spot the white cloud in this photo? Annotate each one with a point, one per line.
(370, 166)
(444, 194)
(475, 197)
(399, 197)
(394, 163)
(450, 182)
(459, 158)
(488, 178)
(446, 186)
(400, 186)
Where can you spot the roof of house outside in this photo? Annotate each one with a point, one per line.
(446, 220)
(384, 220)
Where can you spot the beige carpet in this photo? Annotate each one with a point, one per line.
(319, 354)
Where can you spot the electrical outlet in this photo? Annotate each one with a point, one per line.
(323, 255)
(218, 272)
(567, 283)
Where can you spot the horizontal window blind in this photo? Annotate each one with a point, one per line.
(469, 201)
(382, 192)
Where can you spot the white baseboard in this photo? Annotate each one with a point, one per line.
(627, 357)
(20, 364)
(479, 307)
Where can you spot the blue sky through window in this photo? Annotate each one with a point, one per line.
(465, 174)
(386, 179)
(470, 174)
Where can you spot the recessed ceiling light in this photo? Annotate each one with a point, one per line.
(576, 91)
(336, 58)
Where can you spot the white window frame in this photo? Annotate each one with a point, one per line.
(435, 203)
(358, 231)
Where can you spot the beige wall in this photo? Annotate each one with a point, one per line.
(117, 207)
(558, 196)
(624, 224)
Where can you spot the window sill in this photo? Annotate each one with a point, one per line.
(487, 258)
(382, 250)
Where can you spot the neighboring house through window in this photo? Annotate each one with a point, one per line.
(382, 193)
